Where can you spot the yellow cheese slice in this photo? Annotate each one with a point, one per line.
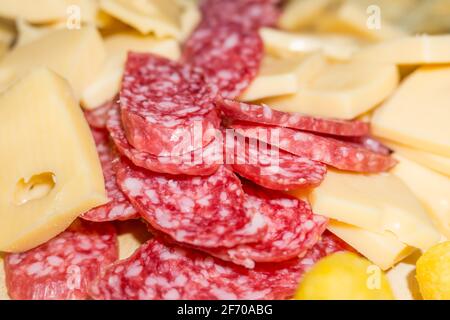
(420, 49)
(431, 188)
(131, 235)
(342, 91)
(45, 11)
(282, 43)
(189, 18)
(428, 17)
(28, 33)
(300, 13)
(378, 203)
(161, 17)
(3, 291)
(383, 249)
(418, 112)
(402, 278)
(77, 55)
(106, 83)
(276, 77)
(392, 11)
(430, 160)
(51, 173)
(354, 20)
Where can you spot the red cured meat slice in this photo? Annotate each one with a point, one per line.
(118, 207)
(204, 161)
(249, 14)
(264, 114)
(292, 229)
(206, 211)
(336, 153)
(161, 271)
(270, 167)
(228, 55)
(162, 101)
(64, 267)
(97, 117)
(370, 143)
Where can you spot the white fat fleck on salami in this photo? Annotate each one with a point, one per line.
(340, 154)
(159, 98)
(193, 275)
(208, 213)
(292, 229)
(263, 114)
(118, 207)
(203, 161)
(64, 267)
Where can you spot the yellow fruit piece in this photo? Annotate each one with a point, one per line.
(433, 272)
(344, 276)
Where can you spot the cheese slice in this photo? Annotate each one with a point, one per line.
(282, 43)
(161, 17)
(342, 91)
(351, 19)
(430, 187)
(428, 17)
(77, 55)
(276, 77)
(430, 160)
(420, 49)
(189, 18)
(28, 33)
(46, 11)
(51, 173)
(403, 279)
(3, 290)
(392, 11)
(131, 235)
(417, 114)
(378, 203)
(300, 13)
(7, 35)
(106, 84)
(383, 249)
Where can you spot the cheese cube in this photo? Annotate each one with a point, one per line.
(431, 188)
(76, 55)
(49, 167)
(343, 91)
(378, 203)
(106, 83)
(430, 160)
(418, 113)
(421, 49)
(383, 249)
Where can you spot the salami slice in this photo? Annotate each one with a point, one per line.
(97, 117)
(292, 229)
(249, 14)
(204, 161)
(161, 271)
(206, 211)
(118, 207)
(65, 267)
(229, 56)
(270, 167)
(336, 153)
(264, 114)
(371, 144)
(162, 102)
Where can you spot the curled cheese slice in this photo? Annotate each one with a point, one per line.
(421, 49)
(342, 91)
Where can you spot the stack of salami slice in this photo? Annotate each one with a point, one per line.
(223, 227)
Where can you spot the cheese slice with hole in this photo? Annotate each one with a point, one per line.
(28, 33)
(430, 160)
(282, 43)
(418, 113)
(51, 173)
(420, 49)
(276, 77)
(378, 203)
(383, 249)
(47, 11)
(342, 91)
(430, 187)
(300, 13)
(77, 55)
(161, 17)
(352, 19)
(106, 83)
